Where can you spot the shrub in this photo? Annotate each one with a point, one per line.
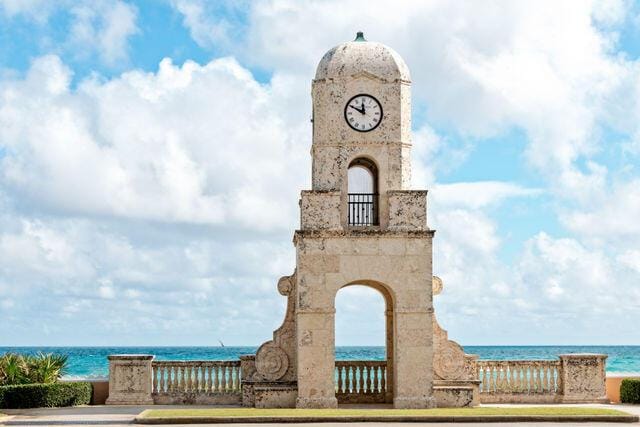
(45, 395)
(31, 369)
(630, 391)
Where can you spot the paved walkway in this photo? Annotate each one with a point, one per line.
(124, 415)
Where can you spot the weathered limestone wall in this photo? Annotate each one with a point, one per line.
(321, 210)
(396, 263)
(407, 210)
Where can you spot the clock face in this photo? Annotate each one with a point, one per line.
(363, 113)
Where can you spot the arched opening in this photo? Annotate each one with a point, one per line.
(362, 187)
(363, 344)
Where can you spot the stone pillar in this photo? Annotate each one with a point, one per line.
(390, 353)
(413, 375)
(316, 365)
(583, 378)
(130, 379)
(247, 370)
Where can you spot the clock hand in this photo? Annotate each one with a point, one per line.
(357, 109)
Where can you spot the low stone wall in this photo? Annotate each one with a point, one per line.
(574, 378)
(138, 379)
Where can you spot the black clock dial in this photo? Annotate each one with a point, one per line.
(363, 113)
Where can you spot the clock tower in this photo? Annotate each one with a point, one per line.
(360, 224)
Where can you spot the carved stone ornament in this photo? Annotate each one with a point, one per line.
(285, 285)
(436, 285)
(448, 361)
(271, 361)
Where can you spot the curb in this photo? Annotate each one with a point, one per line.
(393, 419)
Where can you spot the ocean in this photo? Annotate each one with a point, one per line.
(91, 362)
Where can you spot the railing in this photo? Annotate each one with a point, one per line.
(361, 381)
(532, 377)
(363, 209)
(196, 377)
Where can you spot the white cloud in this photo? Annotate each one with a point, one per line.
(101, 27)
(478, 194)
(613, 216)
(114, 191)
(105, 27)
(129, 147)
(546, 68)
(207, 25)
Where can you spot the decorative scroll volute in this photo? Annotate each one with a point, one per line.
(449, 359)
(271, 361)
(276, 359)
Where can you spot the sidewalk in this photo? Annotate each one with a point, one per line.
(124, 415)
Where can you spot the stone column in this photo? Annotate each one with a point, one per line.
(413, 361)
(247, 370)
(389, 355)
(583, 378)
(130, 379)
(316, 365)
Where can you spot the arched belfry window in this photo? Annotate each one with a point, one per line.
(363, 193)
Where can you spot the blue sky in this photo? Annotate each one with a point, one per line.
(132, 171)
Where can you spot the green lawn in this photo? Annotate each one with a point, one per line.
(253, 412)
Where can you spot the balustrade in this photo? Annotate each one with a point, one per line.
(520, 376)
(361, 381)
(197, 377)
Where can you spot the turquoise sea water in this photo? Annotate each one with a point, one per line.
(91, 362)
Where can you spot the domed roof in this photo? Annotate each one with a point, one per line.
(360, 55)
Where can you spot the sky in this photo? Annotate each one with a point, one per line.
(152, 154)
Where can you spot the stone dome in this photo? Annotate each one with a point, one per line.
(360, 55)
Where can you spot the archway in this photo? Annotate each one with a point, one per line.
(364, 374)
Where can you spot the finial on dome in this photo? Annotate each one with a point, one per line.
(360, 37)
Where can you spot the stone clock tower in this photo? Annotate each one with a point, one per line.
(359, 224)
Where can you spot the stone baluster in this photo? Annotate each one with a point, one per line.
(196, 377)
(383, 379)
(216, 379)
(154, 375)
(223, 378)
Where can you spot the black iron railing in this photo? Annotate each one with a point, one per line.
(363, 209)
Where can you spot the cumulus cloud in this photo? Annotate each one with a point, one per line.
(163, 201)
(130, 148)
(550, 69)
(114, 191)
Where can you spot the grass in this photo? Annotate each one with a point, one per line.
(439, 412)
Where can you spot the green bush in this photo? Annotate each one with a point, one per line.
(31, 369)
(630, 391)
(45, 395)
